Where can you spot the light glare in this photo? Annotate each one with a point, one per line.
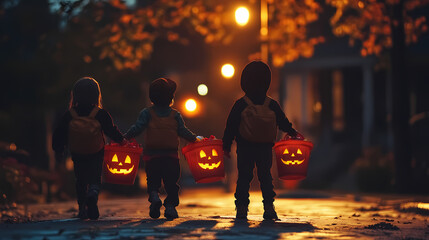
(242, 16)
(227, 70)
(202, 89)
(191, 105)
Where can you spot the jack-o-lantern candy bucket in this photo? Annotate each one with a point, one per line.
(292, 157)
(121, 163)
(205, 160)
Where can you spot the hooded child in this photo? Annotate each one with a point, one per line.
(253, 123)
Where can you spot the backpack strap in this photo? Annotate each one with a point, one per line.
(248, 101)
(73, 113)
(152, 113)
(94, 112)
(171, 114)
(267, 101)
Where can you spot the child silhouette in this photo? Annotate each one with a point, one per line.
(82, 128)
(162, 125)
(252, 123)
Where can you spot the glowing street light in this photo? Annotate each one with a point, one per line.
(242, 16)
(190, 105)
(202, 89)
(227, 70)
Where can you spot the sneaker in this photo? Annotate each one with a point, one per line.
(91, 203)
(170, 212)
(154, 209)
(83, 214)
(269, 212)
(155, 206)
(241, 211)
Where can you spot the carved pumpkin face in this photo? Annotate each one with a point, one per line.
(118, 166)
(209, 160)
(292, 156)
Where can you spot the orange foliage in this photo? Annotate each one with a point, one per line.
(287, 38)
(371, 22)
(118, 4)
(127, 37)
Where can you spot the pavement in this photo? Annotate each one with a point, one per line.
(209, 213)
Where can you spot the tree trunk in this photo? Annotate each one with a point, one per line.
(401, 102)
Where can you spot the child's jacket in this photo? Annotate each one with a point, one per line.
(232, 125)
(60, 136)
(163, 126)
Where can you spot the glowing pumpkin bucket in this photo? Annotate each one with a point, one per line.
(292, 157)
(205, 160)
(121, 163)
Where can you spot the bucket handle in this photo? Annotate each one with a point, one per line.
(130, 143)
(133, 143)
(298, 136)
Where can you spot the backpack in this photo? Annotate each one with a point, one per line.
(258, 122)
(161, 132)
(85, 135)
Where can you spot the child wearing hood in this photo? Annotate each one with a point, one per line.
(255, 135)
(162, 125)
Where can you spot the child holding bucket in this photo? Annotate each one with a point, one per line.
(252, 123)
(163, 125)
(82, 128)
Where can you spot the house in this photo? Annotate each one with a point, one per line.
(338, 99)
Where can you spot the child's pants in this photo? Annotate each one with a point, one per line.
(247, 157)
(87, 169)
(166, 169)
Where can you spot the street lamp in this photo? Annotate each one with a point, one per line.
(264, 31)
(190, 105)
(227, 70)
(202, 89)
(242, 16)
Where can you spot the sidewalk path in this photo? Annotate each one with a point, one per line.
(209, 214)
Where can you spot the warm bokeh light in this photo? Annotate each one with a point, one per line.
(242, 16)
(202, 89)
(69, 164)
(190, 105)
(227, 70)
(12, 147)
(264, 31)
(317, 107)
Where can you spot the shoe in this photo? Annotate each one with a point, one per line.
(170, 212)
(269, 212)
(155, 206)
(154, 209)
(91, 203)
(241, 211)
(83, 213)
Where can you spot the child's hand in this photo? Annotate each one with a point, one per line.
(293, 133)
(296, 135)
(199, 138)
(124, 142)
